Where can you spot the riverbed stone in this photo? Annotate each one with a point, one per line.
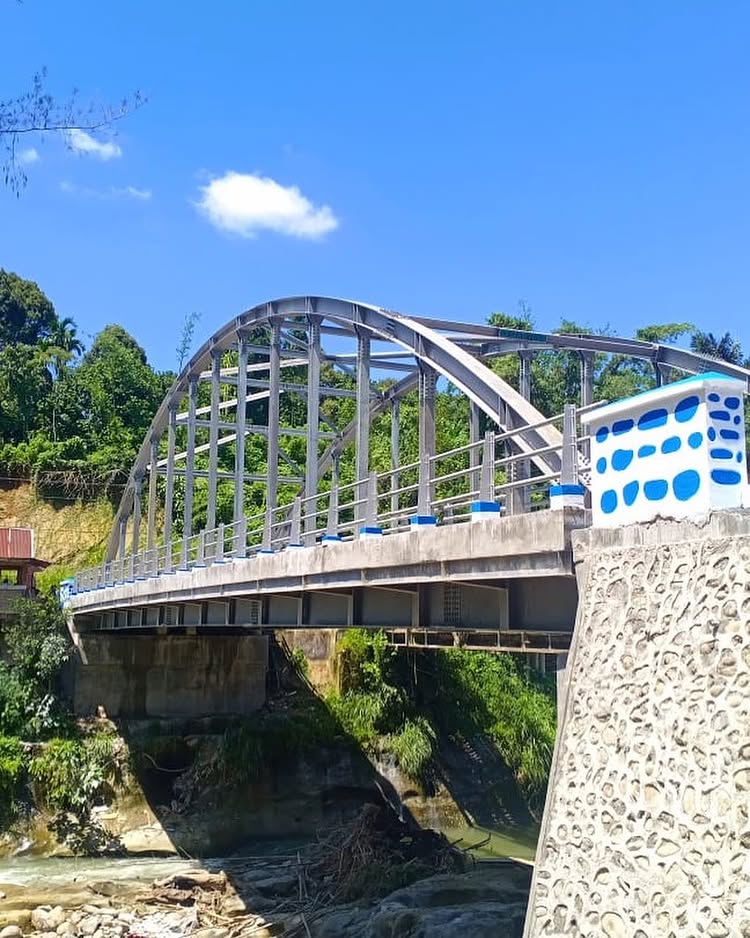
(89, 925)
(11, 931)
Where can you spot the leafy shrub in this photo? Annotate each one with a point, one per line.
(69, 775)
(11, 776)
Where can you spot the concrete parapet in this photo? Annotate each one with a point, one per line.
(170, 675)
(647, 820)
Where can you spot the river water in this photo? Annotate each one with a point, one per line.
(36, 872)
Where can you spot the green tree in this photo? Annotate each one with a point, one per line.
(26, 315)
(724, 347)
(111, 397)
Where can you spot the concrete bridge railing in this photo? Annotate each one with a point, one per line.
(483, 479)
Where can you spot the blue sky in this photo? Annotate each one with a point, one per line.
(441, 159)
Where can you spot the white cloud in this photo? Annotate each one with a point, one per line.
(81, 142)
(29, 156)
(244, 204)
(131, 192)
(113, 192)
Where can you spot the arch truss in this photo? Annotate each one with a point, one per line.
(301, 381)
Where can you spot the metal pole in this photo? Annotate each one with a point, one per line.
(332, 523)
(137, 487)
(569, 460)
(187, 524)
(313, 416)
(475, 455)
(427, 380)
(272, 451)
(151, 520)
(487, 481)
(395, 454)
(587, 378)
(362, 433)
(239, 451)
(169, 486)
(123, 536)
(213, 440)
(524, 374)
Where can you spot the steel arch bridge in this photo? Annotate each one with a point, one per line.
(251, 357)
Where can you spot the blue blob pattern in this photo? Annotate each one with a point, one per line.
(601, 465)
(711, 434)
(630, 492)
(718, 452)
(739, 457)
(720, 414)
(737, 420)
(686, 484)
(729, 434)
(622, 426)
(652, 419)
(601, 434)
(609, 501)
(644, 451)
(725, 476)
(655, 489)
(671, 444)
(714, 397)
(686, 409)
(695, 440)
(732, 403)
(621, 459)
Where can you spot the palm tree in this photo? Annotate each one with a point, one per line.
(726, 348)
(61, 345)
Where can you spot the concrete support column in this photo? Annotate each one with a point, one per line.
(395, 452)
(239, 452)
(587, 378)
(313, 419)
(187, 522)
(362, 437)
(272, 450)
(169, 486)
(213, 438)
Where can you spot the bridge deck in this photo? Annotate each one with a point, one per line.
(506, 548)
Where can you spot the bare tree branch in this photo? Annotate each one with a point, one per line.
(36, 111)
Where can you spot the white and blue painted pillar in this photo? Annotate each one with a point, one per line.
(677, 451)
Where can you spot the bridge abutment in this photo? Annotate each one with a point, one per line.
(168, 675)
(647, 819)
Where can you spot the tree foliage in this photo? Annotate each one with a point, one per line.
(62, 411)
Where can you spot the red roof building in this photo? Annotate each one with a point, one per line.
(18, 566)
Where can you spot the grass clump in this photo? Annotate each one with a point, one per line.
(374, 706)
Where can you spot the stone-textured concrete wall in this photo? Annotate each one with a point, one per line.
(170, 675)
(647, 825)
(319, 646)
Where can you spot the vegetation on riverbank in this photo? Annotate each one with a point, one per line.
(462, 693)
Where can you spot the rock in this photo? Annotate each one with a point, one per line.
(66, 928)
(11, 931)
(211, 933)
(89, 925)
(483, 903)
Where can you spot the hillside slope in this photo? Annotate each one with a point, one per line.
(68, 534)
